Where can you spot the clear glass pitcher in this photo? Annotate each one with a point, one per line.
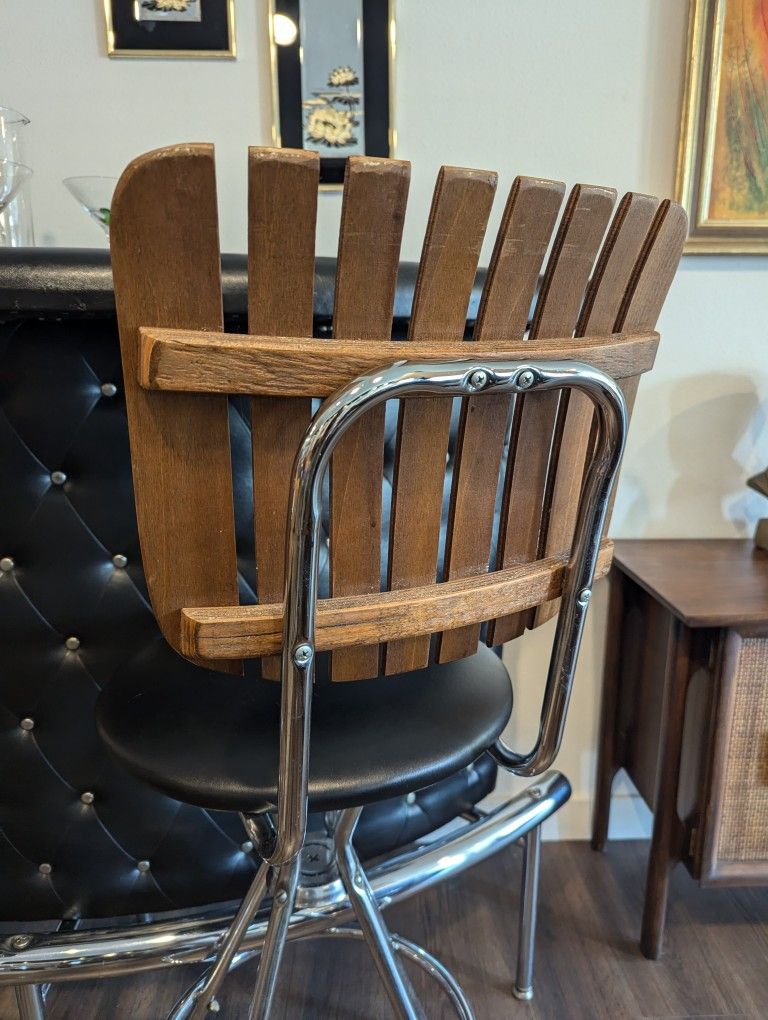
(16, 217)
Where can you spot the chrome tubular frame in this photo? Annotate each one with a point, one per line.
(86, 954)
(335, 416)
(30, 960)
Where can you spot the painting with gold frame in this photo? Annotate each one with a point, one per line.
(332, 79)
(171, 28)
(722, 173)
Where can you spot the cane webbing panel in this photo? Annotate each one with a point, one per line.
(743, 831)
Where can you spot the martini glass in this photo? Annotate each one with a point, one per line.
(95, 196)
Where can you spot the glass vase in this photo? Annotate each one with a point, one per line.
(16, 228)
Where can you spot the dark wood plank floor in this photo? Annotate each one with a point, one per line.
(588, 963)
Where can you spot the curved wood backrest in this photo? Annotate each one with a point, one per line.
(599, 299)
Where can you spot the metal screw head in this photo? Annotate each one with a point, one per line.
(281, 897)
(213, 1006)
(108, 389)
(358, 879)
(143, 866)
(584, 596)
(525, 380)
(478, 379)
(72, 643)
(302, 655)
(27, 723)
(120, 561)
(535, 792)
(45, 868)
(58, 477)
(87, 797)
(21, 941)
(247, 846)
(6, 564)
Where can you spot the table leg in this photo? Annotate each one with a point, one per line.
(607, 755)
(666, 839)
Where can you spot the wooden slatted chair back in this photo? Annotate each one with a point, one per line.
(602, 289)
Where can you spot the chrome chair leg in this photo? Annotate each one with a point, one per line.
(396, 982)
(202, 1002)
(30, 1002)
(523, 988)
(274, 941)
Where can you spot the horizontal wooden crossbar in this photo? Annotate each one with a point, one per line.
(235, 632)
(196, 362)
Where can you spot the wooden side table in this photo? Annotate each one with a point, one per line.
(685, 710)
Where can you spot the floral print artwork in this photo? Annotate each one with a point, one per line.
(169, 10)
(333, 114)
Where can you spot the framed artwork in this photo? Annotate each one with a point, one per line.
(332, 77)
(722, 173)
(170, 28)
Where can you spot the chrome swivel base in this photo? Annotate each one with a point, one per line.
(415, 953)
(29, 960)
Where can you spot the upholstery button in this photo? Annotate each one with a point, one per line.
(27, 724)
(72, 643)
(246, 847)
(87, 797)
(108, 389)
(410, 798)
(58, 477)
(143, 866)
(120, 561)
(6, 564)
(45, 868)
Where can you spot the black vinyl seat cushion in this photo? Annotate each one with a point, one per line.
(211, 739)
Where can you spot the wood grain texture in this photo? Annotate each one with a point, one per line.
(282, 213)
(606, 291)
(166, 269)
(458, 217)
(372, 216)
(526, 497)
(526, 227)
(650, 283)
(346, 621)
(194, 362)
(703, 582)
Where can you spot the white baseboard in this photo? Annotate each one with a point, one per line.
(630, 817)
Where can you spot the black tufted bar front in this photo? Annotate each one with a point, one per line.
(79, 838)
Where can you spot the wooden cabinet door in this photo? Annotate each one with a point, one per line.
(735, 838)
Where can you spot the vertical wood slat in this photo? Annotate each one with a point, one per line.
(372, 215)
(525, 511)
(282, 212)
(458, 217)
(605, 294)
(166, 270)
(650, 285)
(529, 218)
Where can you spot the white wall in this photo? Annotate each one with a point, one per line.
(582, 90)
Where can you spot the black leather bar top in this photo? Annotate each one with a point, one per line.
(77, 283)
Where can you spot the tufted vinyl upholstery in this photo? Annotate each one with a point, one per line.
(79, 838)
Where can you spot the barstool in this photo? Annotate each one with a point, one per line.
(543, 417)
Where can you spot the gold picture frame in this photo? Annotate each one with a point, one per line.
(722, 169)
(391, 52)
(119, 46)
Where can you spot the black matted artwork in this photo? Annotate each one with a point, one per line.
(170, 28)
(332, 66)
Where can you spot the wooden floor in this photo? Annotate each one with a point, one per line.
(588, 962)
